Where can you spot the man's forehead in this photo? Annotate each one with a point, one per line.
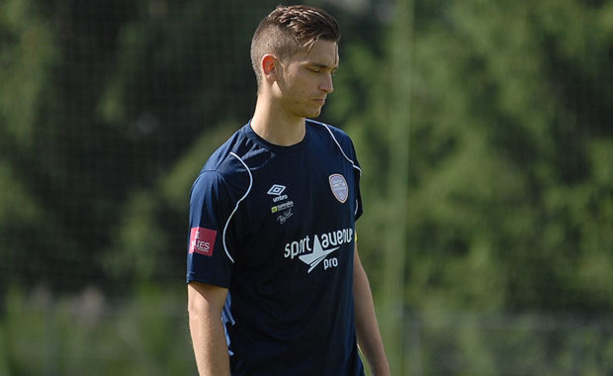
(323, 53)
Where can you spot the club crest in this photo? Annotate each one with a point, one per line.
(339, 187)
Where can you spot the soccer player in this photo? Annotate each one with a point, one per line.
(275, 283)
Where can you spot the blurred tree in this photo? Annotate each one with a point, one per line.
(508, 199)
(98, 101)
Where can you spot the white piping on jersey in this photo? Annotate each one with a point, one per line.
(341, 149)
(346, 157)
(225, 228)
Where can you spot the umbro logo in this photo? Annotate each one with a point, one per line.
(276, 190)
(281, 202)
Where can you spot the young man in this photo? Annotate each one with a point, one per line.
(275, 284)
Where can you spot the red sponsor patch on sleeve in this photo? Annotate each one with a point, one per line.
(202, 241)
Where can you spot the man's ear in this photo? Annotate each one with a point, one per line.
(269, 66)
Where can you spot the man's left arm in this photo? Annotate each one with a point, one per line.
(369, 336)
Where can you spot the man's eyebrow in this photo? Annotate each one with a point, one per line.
(320, 65)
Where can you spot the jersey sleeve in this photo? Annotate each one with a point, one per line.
(209, 259)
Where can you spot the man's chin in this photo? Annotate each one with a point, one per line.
(313, 114)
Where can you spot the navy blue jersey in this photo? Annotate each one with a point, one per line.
(276, 226)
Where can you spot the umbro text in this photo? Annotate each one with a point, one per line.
(279, 198)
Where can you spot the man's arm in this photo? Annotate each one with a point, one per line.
(205, 304)
(369, 337)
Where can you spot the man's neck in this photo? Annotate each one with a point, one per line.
(276, 126)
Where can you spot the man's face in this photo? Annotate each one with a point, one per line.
(306, 79)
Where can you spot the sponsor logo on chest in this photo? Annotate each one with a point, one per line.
(313, 250)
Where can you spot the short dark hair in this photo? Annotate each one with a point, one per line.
(289, 29)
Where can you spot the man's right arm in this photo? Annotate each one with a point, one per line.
(205, 304)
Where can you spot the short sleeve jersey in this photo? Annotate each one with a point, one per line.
(276, 226)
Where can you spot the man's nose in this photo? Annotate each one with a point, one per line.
(326, 84)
